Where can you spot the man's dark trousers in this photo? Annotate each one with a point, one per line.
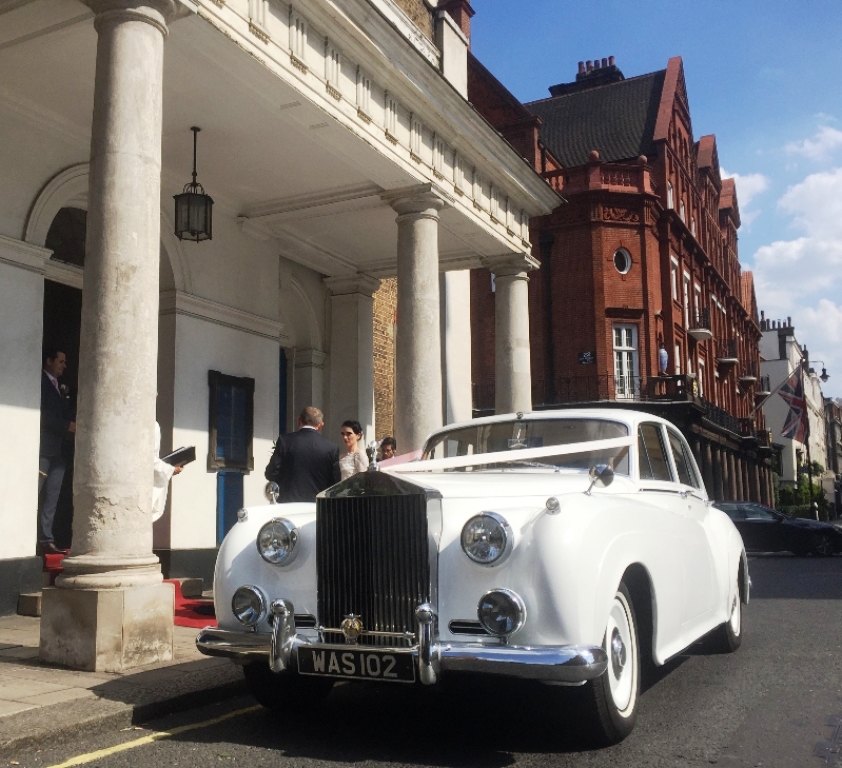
(55, 419)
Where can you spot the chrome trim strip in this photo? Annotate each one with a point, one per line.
(566, 664)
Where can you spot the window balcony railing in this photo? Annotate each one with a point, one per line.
(763, 387)
(748, 428)
(748, 372)
(700, 328)
(726, 352)
(764, 438)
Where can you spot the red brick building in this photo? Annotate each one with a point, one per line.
(640, 300)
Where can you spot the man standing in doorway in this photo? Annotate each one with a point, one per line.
(56, 425)
(304, 462)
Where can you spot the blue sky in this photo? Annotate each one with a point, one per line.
(765, 77)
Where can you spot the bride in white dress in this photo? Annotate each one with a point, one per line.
(355, 460)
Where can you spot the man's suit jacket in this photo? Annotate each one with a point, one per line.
(303, 464)
(55, 418)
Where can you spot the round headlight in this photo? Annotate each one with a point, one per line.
(486, 538)
(249, 605)
(277, 540)
(501, 612)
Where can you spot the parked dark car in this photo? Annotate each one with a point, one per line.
(766, 530)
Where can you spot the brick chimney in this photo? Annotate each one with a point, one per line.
(591, 74)
(461, 12)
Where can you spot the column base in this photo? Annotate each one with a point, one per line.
(107, 630)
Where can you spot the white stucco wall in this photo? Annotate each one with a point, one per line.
(202, 346)
(21, 306)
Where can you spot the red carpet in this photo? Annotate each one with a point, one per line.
(189, 612)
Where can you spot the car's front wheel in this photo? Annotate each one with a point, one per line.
(821, 544)
(285, 691)
(611, 699)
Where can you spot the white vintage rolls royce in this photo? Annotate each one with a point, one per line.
(574, 548)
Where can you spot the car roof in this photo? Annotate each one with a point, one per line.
(629, 418)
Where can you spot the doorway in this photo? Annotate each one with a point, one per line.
(62, 318)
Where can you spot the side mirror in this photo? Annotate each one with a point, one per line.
(601, 475)
(272, 491)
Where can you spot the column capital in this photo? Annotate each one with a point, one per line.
(512, 264)
(342, 285)
(158, 13)
(421, 199)
(309, 358)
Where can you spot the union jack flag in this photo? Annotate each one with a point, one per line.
(795, 424)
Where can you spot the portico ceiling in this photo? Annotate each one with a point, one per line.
(267, 154)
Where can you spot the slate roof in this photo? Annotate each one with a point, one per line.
(618, 120)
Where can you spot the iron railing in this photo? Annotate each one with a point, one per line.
(726, 349)
(764, 384)
(748, 369)
(700, 319)
(720, 417)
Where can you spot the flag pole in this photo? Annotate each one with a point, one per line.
(810, 462)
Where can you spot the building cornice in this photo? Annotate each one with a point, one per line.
(184, 304)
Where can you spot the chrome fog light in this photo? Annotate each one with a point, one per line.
(249, 605)
(501, 612)
(486, 538)
(277, 540)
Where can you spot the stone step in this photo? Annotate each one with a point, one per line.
(29, 604)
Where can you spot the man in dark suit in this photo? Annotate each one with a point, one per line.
(304, 462)
(56, 425)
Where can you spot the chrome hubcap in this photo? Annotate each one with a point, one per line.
(618, 653)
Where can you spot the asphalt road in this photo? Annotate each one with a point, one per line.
(776, 702)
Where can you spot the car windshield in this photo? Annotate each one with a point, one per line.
(522, 434)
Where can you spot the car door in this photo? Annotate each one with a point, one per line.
(699, 569)
(674, 532)
(767, 533)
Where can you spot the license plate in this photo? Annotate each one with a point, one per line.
(357, 663)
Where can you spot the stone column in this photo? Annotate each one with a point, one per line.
(732, 477)
(109, 610)
(726, 474)
(754, 472)
(716, 472)
(351, 353)
(738, 476)
(512, 368)
(457, 392)
(418, 373)
(710, 485)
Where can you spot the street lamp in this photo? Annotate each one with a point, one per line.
(824, 375)
(193, 208)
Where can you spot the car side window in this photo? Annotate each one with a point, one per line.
(758, 513)
(683, 463)
(652, 454)
(735, 513)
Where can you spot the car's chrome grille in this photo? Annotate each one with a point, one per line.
(372, 560)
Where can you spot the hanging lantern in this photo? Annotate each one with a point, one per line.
(193, 208)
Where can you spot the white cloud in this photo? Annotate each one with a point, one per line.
(820, 147)
(815, 204)
(801, 278)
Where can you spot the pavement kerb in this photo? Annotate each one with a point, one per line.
(59, 722)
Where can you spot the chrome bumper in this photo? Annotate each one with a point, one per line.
(562, 664)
